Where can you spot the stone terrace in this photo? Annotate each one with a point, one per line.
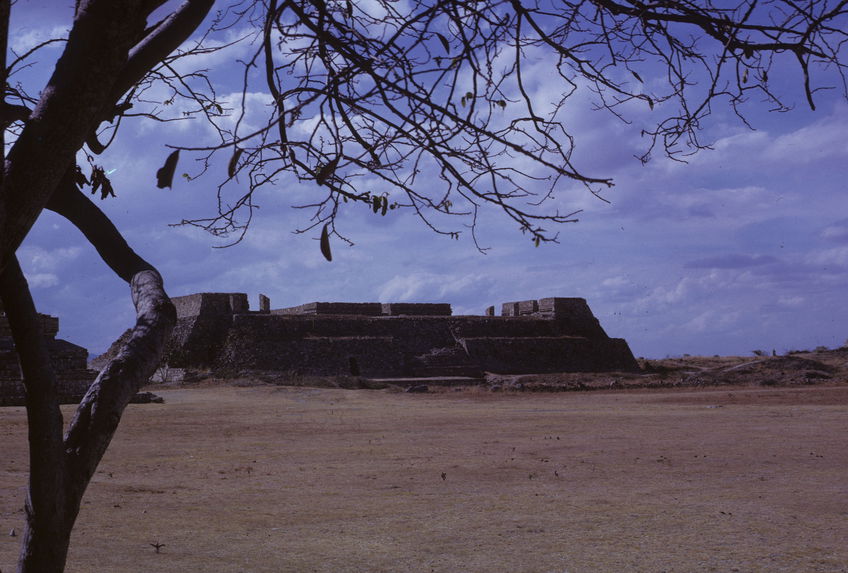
(217, 331)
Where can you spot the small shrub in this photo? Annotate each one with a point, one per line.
(759, 352)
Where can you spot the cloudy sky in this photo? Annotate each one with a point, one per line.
(744, 247)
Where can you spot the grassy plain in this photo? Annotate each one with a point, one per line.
(275, 479)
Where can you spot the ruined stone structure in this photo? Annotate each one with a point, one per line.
(218, 331)
(69, 363)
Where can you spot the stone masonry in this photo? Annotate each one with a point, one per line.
(218, 332)
(69, 363)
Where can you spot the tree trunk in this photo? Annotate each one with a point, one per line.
(107, 52)
(98, 414)
(65, 471)
(46, 534)
(61, 469)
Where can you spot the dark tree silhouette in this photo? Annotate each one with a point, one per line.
(380, 91)
(109, 50)
(383, 92)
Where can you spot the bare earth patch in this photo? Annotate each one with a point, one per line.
(270, 479)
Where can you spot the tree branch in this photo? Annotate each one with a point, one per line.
(160, 42)
(70, 105)
(77, 208)
(98, 414)
(165, 37)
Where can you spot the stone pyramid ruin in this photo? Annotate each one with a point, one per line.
(69, 363)
(218, 332)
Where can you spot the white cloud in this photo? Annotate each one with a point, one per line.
(616, 282)
(837, 232)
(822, 140)
(225, 48)
(831, 257)
(24, 39)
(39, 259)
(791, 301)
(41, 280)
(426, 287)
(712, 321)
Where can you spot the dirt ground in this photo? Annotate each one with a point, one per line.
(272, 479)
(793, 369)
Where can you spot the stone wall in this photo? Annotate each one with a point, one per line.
(573, 313)
(367, 309)
(49, 326)
(324, 345)
(394, 339)
(197, 340)
(211, 303)
(69, 363)
(219, 331)
(416, 309)
(349, 308)
(538, 354)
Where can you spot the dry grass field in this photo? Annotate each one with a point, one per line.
(273, 479)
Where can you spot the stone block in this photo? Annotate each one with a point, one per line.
(264, 303)
(188, 305)
(564, 306)
(574, 312)
(211, 304)
(509, 309)
(527, 307)
(238, 303)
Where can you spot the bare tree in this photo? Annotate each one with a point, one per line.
(109, 49)
(367, 96)
(364, 100)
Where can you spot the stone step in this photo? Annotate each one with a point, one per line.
(408, 382)
(449, 370)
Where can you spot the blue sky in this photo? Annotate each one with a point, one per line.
(744, 247)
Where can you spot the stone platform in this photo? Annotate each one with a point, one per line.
(218, 331)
